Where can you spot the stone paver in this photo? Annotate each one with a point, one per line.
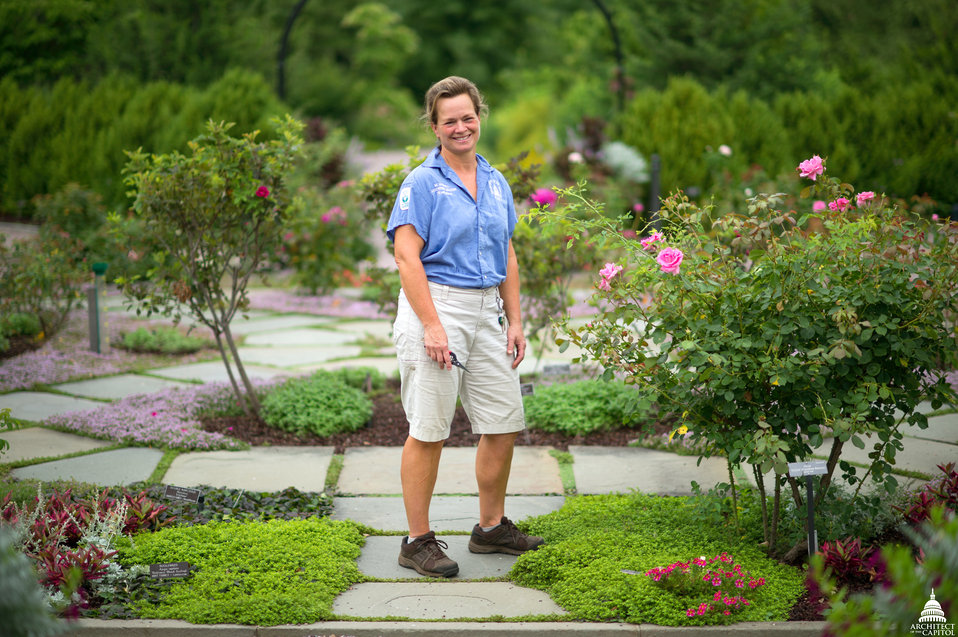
(304, 337)
(296, 356)
(276, 323)
(375, 470)
(446, 513)
(620, 469)
(212, 371)
(918, 454)
(121, 386)
(107, 468)
(38, 406)
(380, 329)
(38, 442)
(379, 558)
(443, 600)
(258, 469)
(388, 365)
(940, 428)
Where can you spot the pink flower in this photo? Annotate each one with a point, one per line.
(638, 207)
(818, 206)
(934, 216)
(326, 218)
(607, 273)
(544, 197)
(262, 191)
(725, 149)
(648, 241)
(670, 259)
(840, 205)
(629, 234)
(862, 197)
(812, 168)
(153, 414)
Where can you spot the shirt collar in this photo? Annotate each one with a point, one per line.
(435, 160)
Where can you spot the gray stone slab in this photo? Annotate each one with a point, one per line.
(443, 600)
(121, 386)
(107, 468)
(621, 469)
(276, 323)
(258, 469)
(296, 356)
(38, 406)
(918, 454)
(304, 337)
(375, 470)
(37, 442)
(388, 365)
(379, 559)
(212, 371)
(940, 428)
(382, 329)
(446, 513)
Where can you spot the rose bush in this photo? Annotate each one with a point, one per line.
(774, 343)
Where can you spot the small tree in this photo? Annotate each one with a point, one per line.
(217, 214)
(773, 343)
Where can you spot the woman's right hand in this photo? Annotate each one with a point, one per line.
(437, 345)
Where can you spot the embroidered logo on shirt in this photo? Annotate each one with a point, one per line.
(443, 189)
(404, 198)
(496, 190)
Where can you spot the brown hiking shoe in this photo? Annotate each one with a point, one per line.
(505, 538)
(426, 556)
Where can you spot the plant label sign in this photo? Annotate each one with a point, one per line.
(170, 569)
(810, 468)
(555, 370)
(182, 493)
(526, 389)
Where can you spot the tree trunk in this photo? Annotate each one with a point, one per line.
(250, 393)
(760, 483)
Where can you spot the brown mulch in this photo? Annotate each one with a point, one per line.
(388, 427)
(19, 345)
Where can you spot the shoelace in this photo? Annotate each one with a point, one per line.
(434, 545)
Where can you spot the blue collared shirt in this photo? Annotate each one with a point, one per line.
(466, 240)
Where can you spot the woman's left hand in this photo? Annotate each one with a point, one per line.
(516, 346)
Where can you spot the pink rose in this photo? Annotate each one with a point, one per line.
(607, 273)
(262, 191)
(840, 205)
(864, 197)
(818, 206)
(648, 241)
(812, 168)
(544, 197)
(670, 259)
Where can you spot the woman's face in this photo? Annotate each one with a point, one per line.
(457, 124)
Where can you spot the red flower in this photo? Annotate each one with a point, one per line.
(262, 191)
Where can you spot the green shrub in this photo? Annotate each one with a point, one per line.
(321, 404)
(162, 340)
(584, 406)
(592, 539)
(19, 324)
(277, 572)
(24, 611)
(356, 377)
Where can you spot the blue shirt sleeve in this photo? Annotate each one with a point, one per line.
(413, 206)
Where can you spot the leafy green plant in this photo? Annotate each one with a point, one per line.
(774, 343)
(599, 547)
(895, 607)
(718, 581)
(320, 404)
(255, 573)
(584, 406)
(161, 340)
(361, 377)
(7, 423)
(216, 215)
(24, 610)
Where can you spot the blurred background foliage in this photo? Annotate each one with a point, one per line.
(872, 85)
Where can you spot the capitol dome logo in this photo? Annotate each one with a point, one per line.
(932, 620)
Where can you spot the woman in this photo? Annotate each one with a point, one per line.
(458, 329)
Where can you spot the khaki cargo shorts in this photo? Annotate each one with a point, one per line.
(489, 391)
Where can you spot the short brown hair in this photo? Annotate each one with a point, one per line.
(452, 86)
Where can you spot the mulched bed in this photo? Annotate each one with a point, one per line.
(388, 427)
